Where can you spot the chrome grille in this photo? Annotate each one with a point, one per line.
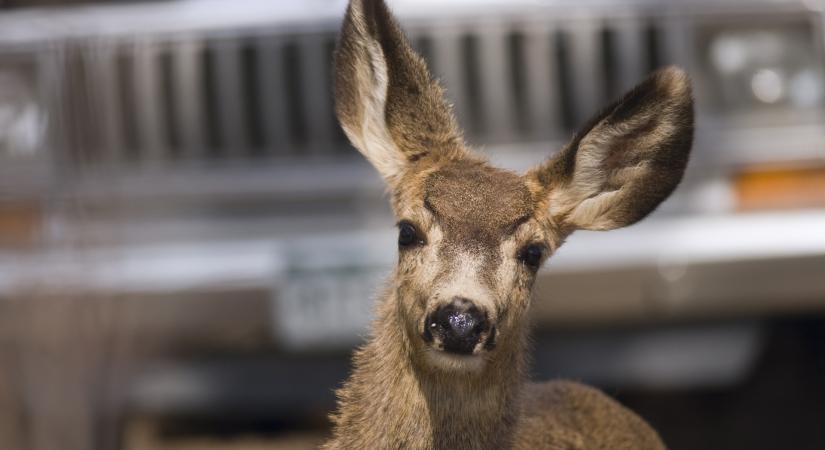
(252, 95)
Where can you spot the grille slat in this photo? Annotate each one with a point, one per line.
(126, 96)
(669, 41)
(447, 58)
(250, 84)
(316, 92)
(630, 53)
(587, 85)
(171, 108)
(496, 103)
(274, 108)
(655, 47)
(150, 114)
(79, 110)
(229, 95)
(471, 82)
(541, 82)
(187, 83)
(104, 83)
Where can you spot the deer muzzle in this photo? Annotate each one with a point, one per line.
(459, 327)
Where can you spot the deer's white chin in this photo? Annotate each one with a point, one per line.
(452, 362)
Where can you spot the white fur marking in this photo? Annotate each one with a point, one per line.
(373, 139)
(458, 363)
(464, 282)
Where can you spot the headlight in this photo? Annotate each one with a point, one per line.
(22, 117)
(769, 67)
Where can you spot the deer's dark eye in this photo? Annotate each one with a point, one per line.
(408, 235)
(531, 255)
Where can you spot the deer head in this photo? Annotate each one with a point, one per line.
(472, 237)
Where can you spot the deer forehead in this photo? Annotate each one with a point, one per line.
(476, 204)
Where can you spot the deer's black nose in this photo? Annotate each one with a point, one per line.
(459, 325)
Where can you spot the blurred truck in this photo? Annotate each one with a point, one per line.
(181, 161)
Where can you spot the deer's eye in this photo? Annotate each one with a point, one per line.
(408, 235)
(531, 255)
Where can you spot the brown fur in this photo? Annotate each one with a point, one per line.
(575, 409)
(474, 222)
(479, 203)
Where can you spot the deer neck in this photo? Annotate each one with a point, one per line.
(392, 401)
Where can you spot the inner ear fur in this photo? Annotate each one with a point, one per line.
(626, 160)
(391, 109)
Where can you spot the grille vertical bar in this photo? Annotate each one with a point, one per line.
(126, 94)
(231, 113)
(673, 36)
(497, 109)
(151, 120)
(541, 80)
(315, 61)
(653, 47)
(586, 72)
(169, 103)
(104, 82)
(630, 51)
(187, 85)
(77, 111)
(447, 58)
(274, 110)
(251, 90)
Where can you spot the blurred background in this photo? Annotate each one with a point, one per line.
(189, 248)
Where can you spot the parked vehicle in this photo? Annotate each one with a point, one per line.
(183, 158)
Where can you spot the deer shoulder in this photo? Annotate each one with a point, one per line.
(565, 415)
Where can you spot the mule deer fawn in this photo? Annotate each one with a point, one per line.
(444, 366)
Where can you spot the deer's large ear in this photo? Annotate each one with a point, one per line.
(626, 161)
(388, 105)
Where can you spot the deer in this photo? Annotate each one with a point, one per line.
(445, 363)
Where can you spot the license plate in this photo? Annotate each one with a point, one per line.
(328, 305)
